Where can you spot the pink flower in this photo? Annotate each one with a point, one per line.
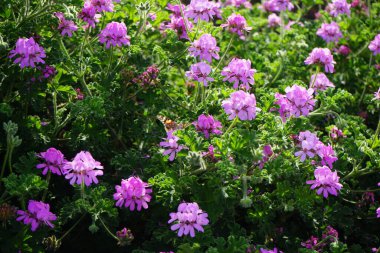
(102, 5)
(176, 9)
(171, 145)
(378, 212)
(321, 56)
(28, 53)
(83, 169)
(330, 231)
(377, 95)
(67, 27)
(277, 5)
(308, 143)
(203, 10)
(205, 47)
(38, 213)
(114, 34)
(296, 102)
(240, 104)
(178, 25)
(326, 180)
(344, 50)
(374, 46)
(330, 32)
(132, 193)
(207, 125)
(46, 72)
(326, 153)
(148, 77)
(320, 82)
(88, 15)
(274, 20)
(237, 24)
(339, 7)
(240, 73)
(311, 243)
(336, 133)
(53, 161)
(200, 72)
(188, 217)
(270, 251)
(238, 3)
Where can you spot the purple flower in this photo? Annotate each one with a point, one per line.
(207, 125)
(38, 213)
(148, 77)
(326, 153)
(176, 9)
(67, 27)
(277, 5)
(309, 244)
(330, 32)
(296, 102)
(330, 231)
(200, 72)
(237, 24)
(114, 34)
(336, 133)
(339, 7)
(378, 212)
(53, 161)
(240, 104)
(171, 145)
(80, 95)
(270, 251)
(124, 236)
(187, 218)
(178, 25)
(210, 154)
(47, 72)
(205, 47)
(83, 169)
(321, 56)
(203, 10)
(374, 46)
(344, 50)
(238, 3)
(308, 143)
(102, 5)
(240, 73)
(326, 180)
(377, 95)
(88, 15)
(274, 20)
(28, 53)
(132, 192)
(320, 82)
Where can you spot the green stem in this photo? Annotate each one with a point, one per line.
(236, 119)
(48, 182)
(107, 229)
(225, 52)
(10, 159)
(184, 19)
(83, 194)
(365, 84)
(4, 163)
(72, 227)
(315, 77)
(376, 136)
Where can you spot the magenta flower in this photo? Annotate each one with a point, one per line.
(237, 24)
(114, 34)
(326, 153)
(132, 193)
(330, 231)
(344, 50)
(378, 212)
(66, 27)
(240, 104)
(176, 9)
(207, 125)
(311, 243)
(200, 72)
(203, 10)
(296, 102)
(28, 53)
(47, 72)
(308, 143)
(326, 181)
(188, 217)
(53, 161)
(88, 14)
(210, 154)
(320, 82)
(269, 6)
(274, 20)
(239, 3)
(336, 133)
(270, 251)
(171, 145)
(330, 32)
(83, 169)
(339, 7)
(267, 153)
(177, 24)
(377, 95)
(205, 47)
(240, 73)
(374, 46)
(38, 213)
(102, 5)
(321, 56)
(283, 5)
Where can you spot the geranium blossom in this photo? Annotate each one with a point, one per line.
(207, 125)
(38, 213)
(238, 3)
(330, 32)
(240, 104)
(326, 181)
(378, 212)
(377, 95)
(200, 72)
(171, 145)
(114, 34)
(274, 20)
(240, 73)
(339, 7)
(320, 82)
(28, 53)
(132, 193)
(83, 169)
(326, 153)
(275, 250)
(277, 5)
(203, 10)
(374, 46)
(53, 161)
(178, 25)
(205, 47)
(102, 5)
(321, 56)
(308, 143)
(66, 27)
(188, 218)
(237, 24)
(88, 14)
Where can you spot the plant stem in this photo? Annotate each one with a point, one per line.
(4, 164)
(82, 189)
(225, 52)
(315, 77)
(46, 190)
(365, 84)
(236, 119)
(108, 231)
(72, 227)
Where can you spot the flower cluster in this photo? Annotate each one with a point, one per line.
(210, 154)
(378, 212)
(102, 5)
(376, 95)
(187, 218)
(124, 236)
(237, 24)
(267, 154)
(114, 34)
(38, 213)
(148, 77)
(132, 193)
(83, 169)
(177, 23)
(240, 104)
(205, 47)
(88, 14)
(277, 5)
(275, 250)
(339, 7)
(238, 3)
(203, 10)
(207, 125)
(330, 32)
(336, 133)
(326, 181)
(66, 27)
(171, 145)
(321, 56)
(28, 53)
(296, 102)
(240, 73)
(374, 46)
(200, 72)
(314, 243)
(320, 82)
(274, 20)
(53, 161)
